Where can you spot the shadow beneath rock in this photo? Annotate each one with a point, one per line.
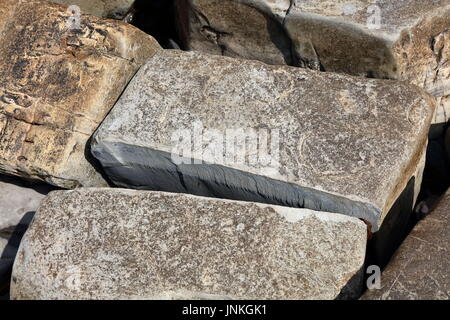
(8, 255)
(38, 186)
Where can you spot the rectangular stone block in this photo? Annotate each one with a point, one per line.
(407, 40)
(243, 130)
(125, 244)
(58, 80)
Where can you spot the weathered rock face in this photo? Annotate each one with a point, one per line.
(18, 197)
(122, 244)
(250, 29)
(56, 86)
(262, 133)
(115, 9)
(419, 269)
(406, 40)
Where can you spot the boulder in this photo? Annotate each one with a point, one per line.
(126, 244)
(57, 83)
(403, 40)
(238, 129)
(246, 28)
(17, 197)
(406, 40)
(115, 9)
(419, 268)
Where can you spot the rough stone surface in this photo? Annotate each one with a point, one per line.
(411, 42)
(250, 29)
(419, 269)
(18, 197)
(115, 9)
(56, 86)
(124, 244)
(346, 145)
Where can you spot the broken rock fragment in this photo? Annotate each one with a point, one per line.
(237, 129)
(126, 244)
(406, 40)
(419, 268)
(57, 82)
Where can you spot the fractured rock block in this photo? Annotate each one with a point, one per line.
(406, 40)
(243, 130)
(115, 9)
(56, 85)
(249, 29)
(125, 244)
(419, 268)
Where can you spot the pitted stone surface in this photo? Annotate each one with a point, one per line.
(124, 244)
(405, 40)
(56, 86)
(419, 269)
(345, 144)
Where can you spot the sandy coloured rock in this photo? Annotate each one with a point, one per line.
(327, 142)
(407, 40)
(419, 268)
(126, 244)
(57, 84)
(115, 9)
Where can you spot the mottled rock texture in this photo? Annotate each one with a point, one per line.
(337, 143)
(407, 40)
(404, 40)
(123, 244)
(56, 86)
(420, 267)
(18, 197)
(246, 28)
(115, 9)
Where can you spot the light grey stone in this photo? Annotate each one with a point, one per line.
(346, 145)
(3, 243)
(115, 9)
(420, 268)
(125, 244)
(406, 40)
(18, 197)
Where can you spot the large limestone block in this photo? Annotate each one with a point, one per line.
(407, 40)
(115, 9)
(420, 267)
(124, 244)
(56, 86)
(327, 142)
(17, 198)
(249, 29)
